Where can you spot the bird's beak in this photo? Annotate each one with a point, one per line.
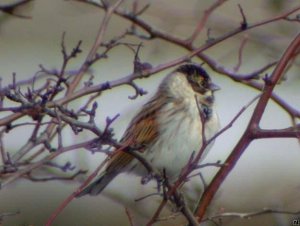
(214, 87)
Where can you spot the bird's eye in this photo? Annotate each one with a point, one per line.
(198, 82)
(203, 82)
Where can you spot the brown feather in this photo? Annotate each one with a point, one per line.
(142, 131)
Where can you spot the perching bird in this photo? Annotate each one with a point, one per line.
(168, 128)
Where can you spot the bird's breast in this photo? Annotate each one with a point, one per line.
(180, 135)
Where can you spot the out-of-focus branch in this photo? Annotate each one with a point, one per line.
(251, 214)
(44, 179)
(11, 8)
(7, 214)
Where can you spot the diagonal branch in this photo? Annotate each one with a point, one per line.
(253, 125)
(204, 19)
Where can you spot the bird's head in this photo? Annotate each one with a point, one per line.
(200, 82)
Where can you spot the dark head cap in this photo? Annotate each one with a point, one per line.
(197, 77)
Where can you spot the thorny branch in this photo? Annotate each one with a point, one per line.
(48, 105)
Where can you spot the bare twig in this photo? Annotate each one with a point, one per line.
(244, 23)
(204, 19)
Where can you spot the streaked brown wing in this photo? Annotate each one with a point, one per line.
(142, 131)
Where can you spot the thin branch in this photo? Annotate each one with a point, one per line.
(240, 54)
(28, 146)
(54, 178)
(157, 212)
(147, 196)
(40, 163)
(204, 19)
(99, 38)
(244, 23)
(277, 133)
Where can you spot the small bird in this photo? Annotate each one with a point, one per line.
(168, 129)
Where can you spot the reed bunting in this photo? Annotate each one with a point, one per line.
(168, 128)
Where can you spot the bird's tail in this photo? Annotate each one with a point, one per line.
(97, 186)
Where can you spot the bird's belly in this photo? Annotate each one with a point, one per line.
(177, 142)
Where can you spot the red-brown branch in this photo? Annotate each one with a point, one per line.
(253, 125)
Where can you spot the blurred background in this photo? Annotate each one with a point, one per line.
(267, 175)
